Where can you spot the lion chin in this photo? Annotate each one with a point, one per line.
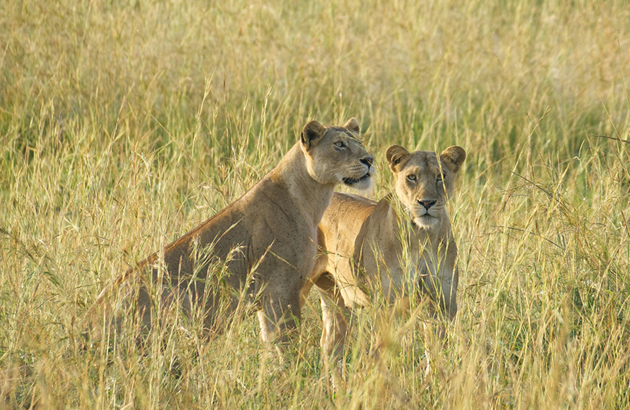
(426, 221)
(363, 183)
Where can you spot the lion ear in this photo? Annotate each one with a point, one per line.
(395, 154)
(352, 125)
(312, 132)
(453, 157)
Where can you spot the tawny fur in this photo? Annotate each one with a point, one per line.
(273, 227)
(395, 246)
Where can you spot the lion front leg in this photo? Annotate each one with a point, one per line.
(439, 282)
(449, 294)
(449, 279)
(335, 325)
(279, 317)
(443, 294)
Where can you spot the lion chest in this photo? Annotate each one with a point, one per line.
(282, 243)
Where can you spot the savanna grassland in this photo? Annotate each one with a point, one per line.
(124, 124)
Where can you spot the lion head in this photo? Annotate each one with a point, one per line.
(424, 181)
(337, 155)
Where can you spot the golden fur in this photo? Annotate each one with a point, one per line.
(400, 245)
(273, 227)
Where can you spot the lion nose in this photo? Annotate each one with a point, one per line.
(427, 203)
(368, 161)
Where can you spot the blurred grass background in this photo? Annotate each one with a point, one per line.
(123, 124)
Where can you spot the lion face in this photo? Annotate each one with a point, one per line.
(424, 181)
(336, 155)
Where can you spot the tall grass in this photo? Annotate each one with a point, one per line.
(126, 123)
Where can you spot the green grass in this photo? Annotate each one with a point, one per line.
(123, 124)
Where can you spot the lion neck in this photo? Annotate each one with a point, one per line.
(313, 196)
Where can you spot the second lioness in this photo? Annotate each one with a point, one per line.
(365, 245)
(270, 231)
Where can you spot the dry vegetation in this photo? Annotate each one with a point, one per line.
(123, 124)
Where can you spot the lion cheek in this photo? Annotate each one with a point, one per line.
(320, 173)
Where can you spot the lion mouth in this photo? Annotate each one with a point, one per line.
(352, 181)
(426, 221)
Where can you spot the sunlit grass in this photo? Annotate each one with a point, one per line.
(124, 124)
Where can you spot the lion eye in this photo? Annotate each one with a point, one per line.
(438, 180)
(339, 144)
(411, 177)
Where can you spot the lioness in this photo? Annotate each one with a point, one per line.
(273, 227)
(364, 247)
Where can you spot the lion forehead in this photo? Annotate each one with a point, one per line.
(344, 134)
(422, 163)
